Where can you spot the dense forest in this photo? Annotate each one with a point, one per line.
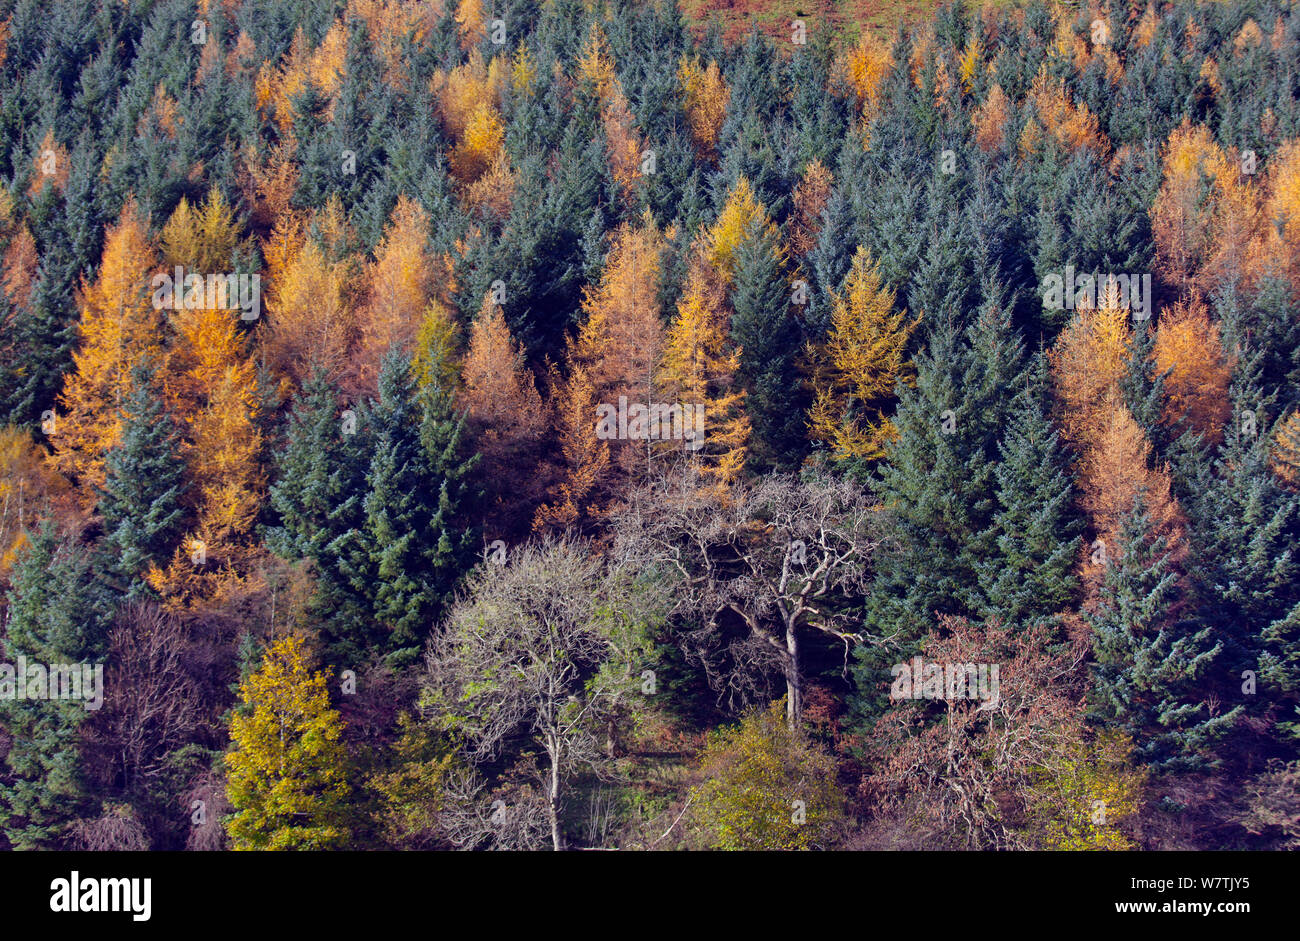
(562, 424)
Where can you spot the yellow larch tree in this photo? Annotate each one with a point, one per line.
(1089, 360)
(481, 146)
(471, 23)
(308, 323)
(119, 326)
(1279, 253)
(1113, 458)
(507, 420)
(706, 99)
(810, 198)
(212, 383)
(620, 345)
(989, 120)
(1205, 215)
(28, 487)
(1189, 349)
(50, 166)
(286, 769)
(740, 217)
(866, 67)
(437, 342)
(278, 84)
(202, 240)
(699, 369)
(398, 287)
(1286, 451)
(1073, 127)
(858, 367)
(576, 502)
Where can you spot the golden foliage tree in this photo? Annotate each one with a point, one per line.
(506, 418)
(989, 120)
(19, 268)
(1286, 451)
(202, 240)
(1073, 127)
(706, 99)
(866, 67)
(27, 488)
(1188, 348)
(286, 767)
(50, 167)
(212, 387)
(1280, 250)
(742, 215)
(585, 458)
(119, 326)
(480, 147)
(1113, 458)
(308, 323)
(1089, 360)
(471, 22)
(1205, 215)
(810, 197)
(699, 369)
(621, 341)
(398, 286)
(859, 365)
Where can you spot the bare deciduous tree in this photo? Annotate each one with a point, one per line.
(785, 557)
(961, 767)
(151, 703)
(544, 647)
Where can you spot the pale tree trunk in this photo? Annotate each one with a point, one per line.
(553, 803)
(793, 684)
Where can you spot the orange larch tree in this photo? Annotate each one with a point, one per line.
(119, 326)
(398, 286)
(507, 420)
(1189, 353)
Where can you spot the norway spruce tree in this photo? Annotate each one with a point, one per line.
(58, 614)
(417, 535)
(768, 337)
(141, 500)
(938, 487)
(317, 494)
(1242, 541)
(1036, 526)
(1149, 656)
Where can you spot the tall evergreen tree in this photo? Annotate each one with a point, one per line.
(58, 614)
(141, 500)
(1150, 657)
(1244, 525)
(317, 494)
(767, 335)
(1037, 530)
(416, 533)
(938, 487)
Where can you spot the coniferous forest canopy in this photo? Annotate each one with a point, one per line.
(502, 424)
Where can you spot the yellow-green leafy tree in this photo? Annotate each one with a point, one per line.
(287, 770)
(1079, 802)
(765, 787)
